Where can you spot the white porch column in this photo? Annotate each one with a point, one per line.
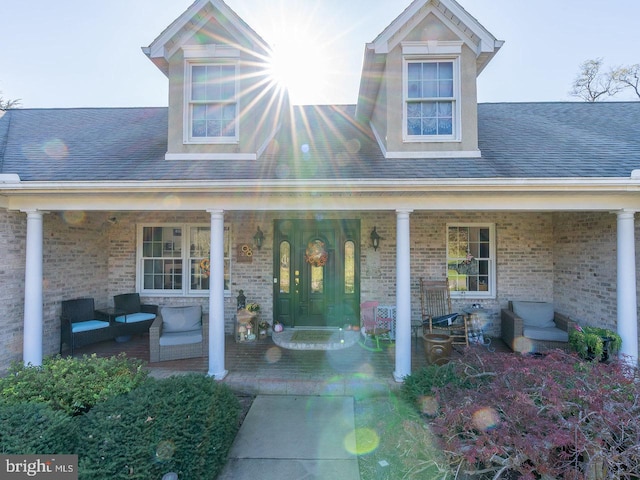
(216, 297)
(403, 296)
(33, 323)
(626, 288)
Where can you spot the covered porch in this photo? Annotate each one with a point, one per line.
(265, 368)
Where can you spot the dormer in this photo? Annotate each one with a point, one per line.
(418, 85)
(221, 102)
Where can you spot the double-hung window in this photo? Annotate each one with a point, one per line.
(212, 103)
(431, 100)
(175, 259)
(471, 259)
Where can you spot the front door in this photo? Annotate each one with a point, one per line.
(316, 272)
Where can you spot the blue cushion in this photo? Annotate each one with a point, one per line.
(180, 338)
(181, 319)
(535, 314)
(135, 317)
(88, 325)
(549, 334)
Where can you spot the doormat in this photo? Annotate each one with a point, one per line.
(311, 336)
(309, 339)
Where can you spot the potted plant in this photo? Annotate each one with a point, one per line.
(263, 326)
(594, 343)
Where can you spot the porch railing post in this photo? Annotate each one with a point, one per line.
(33, 297)
(403, 296)
(216, 297)
(626, 287)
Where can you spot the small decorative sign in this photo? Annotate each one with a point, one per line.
(245, 253)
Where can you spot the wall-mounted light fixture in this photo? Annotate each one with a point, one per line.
(375, 239)
(258, 238)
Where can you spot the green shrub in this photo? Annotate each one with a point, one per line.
(424, 381)
(35, 428)
(73, 385)
(182, 424)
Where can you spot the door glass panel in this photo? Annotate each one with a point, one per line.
(285, 267)
(349, 268)
(317, 279)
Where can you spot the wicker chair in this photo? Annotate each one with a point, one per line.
(515, 330)
(136, 317)
(178, 332)
(438, 315)
(82, 325)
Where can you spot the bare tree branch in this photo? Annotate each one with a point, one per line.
(7, 104)
(591, 85)
(627, 77)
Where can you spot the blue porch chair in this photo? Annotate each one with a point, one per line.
(82, 325)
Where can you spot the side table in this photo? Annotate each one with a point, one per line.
(111, 313)
(477, 319)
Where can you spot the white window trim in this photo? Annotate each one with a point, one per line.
(186, 267)
(491, 292)
(187, 117)
(457, 98)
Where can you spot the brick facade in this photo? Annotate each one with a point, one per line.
(567, 258)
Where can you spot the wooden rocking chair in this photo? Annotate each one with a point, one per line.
(437, 314)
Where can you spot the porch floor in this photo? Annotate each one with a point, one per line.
(265, 368)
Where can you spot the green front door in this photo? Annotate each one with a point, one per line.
(316, 272)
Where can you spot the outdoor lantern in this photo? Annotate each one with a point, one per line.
(375, 239)
(258, 238)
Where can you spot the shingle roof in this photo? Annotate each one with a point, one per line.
(517, 140)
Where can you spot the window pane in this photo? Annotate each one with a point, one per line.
(468, 258)
(317, 279)
(429, 71)
(445, 70)
(429, 89)
(285, 267)
(444, 126)
(199, 252)
(349, 268)
(414, 71)
(445, 88)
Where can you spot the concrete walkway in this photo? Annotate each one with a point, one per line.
(295, 438)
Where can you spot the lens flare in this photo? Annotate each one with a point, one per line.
(485, 419)
(428, 405)
(74, 217)
(522, 345)
(362, 441)
(165, 450)
(171, 201)
(56, 149)
(273, 355)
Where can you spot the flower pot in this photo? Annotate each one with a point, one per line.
(437, 348)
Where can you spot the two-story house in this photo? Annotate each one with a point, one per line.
(231, 188)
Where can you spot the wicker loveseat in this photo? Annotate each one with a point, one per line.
(534, 327)
(178, 332)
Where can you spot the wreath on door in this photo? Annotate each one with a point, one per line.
(316, 254)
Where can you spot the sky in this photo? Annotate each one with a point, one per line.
(74, 53)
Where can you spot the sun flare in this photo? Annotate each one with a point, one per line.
(301, 63)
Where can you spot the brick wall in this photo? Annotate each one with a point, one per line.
(567, 258)
(13, 232)
(585, 267)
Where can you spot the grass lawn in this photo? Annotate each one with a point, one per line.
(394, 442)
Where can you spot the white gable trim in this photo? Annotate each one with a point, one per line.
(412, 16)
(158, 49)
(433, 47)
(210, 156)
(422, 154)
(210, 51)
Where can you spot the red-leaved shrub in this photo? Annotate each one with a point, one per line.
(551, 416)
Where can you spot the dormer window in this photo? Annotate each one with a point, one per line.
(431, 100)
(212, 103)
